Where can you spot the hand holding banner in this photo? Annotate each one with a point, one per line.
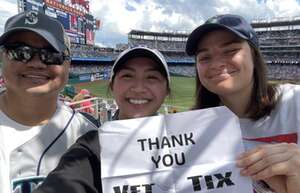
(178, 153)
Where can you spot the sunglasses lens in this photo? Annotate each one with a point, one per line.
(20, 53)
(51, 58)
(25, 53)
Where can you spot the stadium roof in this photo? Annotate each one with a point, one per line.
(168, 34)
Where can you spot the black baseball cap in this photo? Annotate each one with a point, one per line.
(49, 28)
(234, 23)
(140, 52)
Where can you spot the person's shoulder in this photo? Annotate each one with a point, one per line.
(85, 146)
(289, 86)
(61, 106)
(288, 94)
(90, 118)
(90, 141)
(78, 169)
(87, 119)
(289, 89)
(89, 138)
(78, 115)
(85, 123)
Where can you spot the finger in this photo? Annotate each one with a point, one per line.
(247, 153)
(280, 168)
(256, 149)
(286, 168)
(258, 154)
(266, 162)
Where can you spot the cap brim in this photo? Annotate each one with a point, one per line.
(199, 32)
(58, 46)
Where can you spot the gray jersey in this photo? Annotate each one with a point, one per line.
(30, 163)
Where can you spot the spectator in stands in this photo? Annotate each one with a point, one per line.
(36, 128)
(139, 83)
(231, 72)
(2, 83)
(84, 106)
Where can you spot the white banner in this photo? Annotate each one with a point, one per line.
(186, 152)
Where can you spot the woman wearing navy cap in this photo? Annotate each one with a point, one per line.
(231, 72)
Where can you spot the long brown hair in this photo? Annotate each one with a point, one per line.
(263, 98)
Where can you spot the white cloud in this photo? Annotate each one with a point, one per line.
(113, 14)
(7, 9)
(286, 8)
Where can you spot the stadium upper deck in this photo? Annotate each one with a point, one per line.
(277, 36)
(276, 22)
(279, 41)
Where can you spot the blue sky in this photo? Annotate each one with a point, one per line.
(120, 16)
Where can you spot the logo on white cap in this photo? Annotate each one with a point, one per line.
(31, 18)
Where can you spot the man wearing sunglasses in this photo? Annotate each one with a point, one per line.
(35, 128)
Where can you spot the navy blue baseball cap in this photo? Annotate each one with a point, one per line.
(49, 28)
(234, 23)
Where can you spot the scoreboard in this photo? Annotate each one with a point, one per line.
(79, 24)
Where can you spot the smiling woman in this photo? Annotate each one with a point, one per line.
(231, 72)
(225, 66)
(139, 82)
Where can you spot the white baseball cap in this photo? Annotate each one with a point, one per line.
(140, 52)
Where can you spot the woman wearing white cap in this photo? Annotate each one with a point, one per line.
(231, 72)
(139, 83)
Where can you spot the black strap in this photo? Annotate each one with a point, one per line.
(49, 146)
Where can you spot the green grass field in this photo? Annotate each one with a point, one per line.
(182, 91)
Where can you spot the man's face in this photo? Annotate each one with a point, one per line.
(32, 77)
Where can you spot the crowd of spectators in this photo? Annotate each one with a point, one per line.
(282, 59)
(281, 49)
(183, 70)
(279, 37)
(178, 57)
(90, 68)
(174, 46)
(84, 101)
(2, 84)
(279, 71)
(92, 51)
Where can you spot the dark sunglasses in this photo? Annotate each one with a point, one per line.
(24, 53)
